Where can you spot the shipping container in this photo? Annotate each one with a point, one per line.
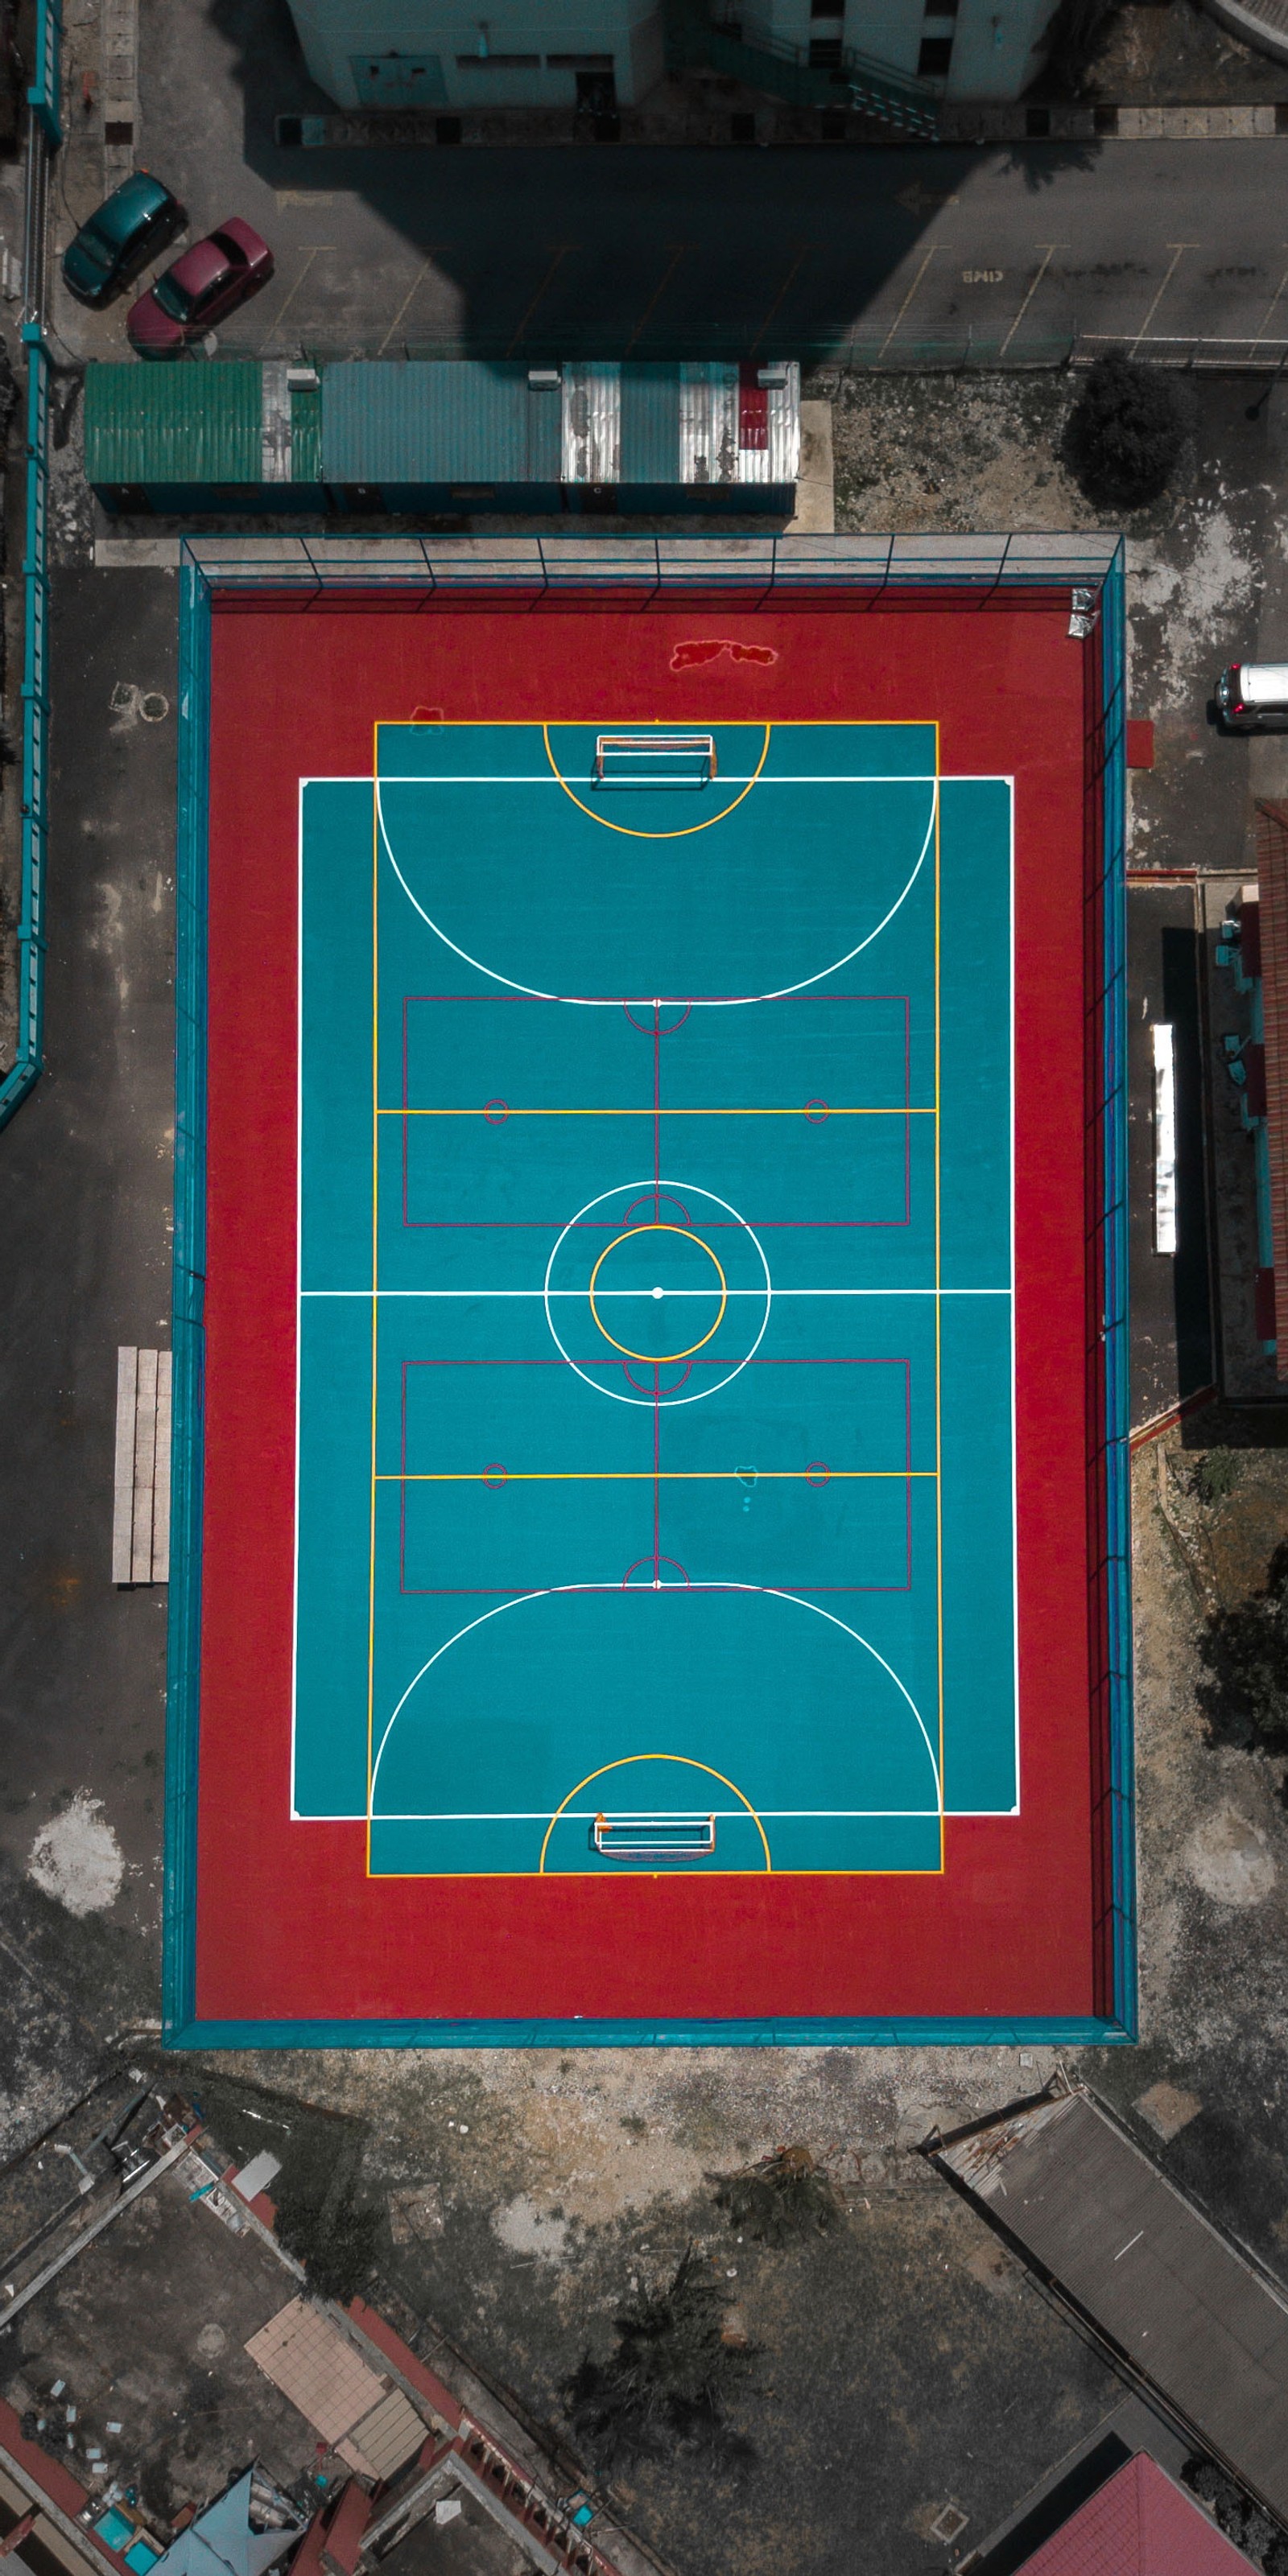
(445, 437)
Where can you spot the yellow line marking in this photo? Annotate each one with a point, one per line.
(623, 1764)
(658, 1359)
(629, 830)
(1178, 250)
(1048, 250)
(811, 1117)
(421, 274)
(939, 1452)
(646, 1476)
(679, 251)
(560, 255)
(375, 1284)
(899, 317)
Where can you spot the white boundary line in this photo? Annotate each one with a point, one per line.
(614, 1001)
(940, 1292)
(552, 1591)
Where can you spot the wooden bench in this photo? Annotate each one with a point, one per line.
(141, 1490)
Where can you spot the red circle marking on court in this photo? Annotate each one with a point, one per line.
(816, 1111)
(818, 1472)
(655, 1583)
(496, 1112)
(494, 1477)
(654, 1199)
(674, 1384)
(657, 1027)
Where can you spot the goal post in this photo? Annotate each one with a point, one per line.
(654, 759)
(655, 1837)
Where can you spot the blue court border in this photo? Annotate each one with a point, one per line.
(1113, 1792)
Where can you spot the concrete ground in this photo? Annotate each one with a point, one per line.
(903, 2365)
(146, 2331)
(620, 251)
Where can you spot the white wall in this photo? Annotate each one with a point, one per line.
(335, 32)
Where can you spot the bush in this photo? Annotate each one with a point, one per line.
(1124, 436)
(784, 2197)
(335, 2239)
(1215, 1475)
(663, 2387)
(1244, 1652)
(1074, 42)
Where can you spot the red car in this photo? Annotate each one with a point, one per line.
(208, 283)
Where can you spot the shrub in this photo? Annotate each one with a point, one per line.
(663, 2386)
(1124, 436)
(784, 2197)
(335, 2238)
(1215, 1475)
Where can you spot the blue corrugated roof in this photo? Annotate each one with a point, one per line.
(437, 421)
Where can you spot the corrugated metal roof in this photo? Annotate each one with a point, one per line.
(194, 422)
(1139, 2523)
(591, 427)
(1191, 2314)
(708, 423)
(650, 424)
(441, 420)
(306, 433)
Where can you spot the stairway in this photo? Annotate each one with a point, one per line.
(888, 98)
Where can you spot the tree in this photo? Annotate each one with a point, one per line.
(334, 2237)
(1244, 1651)
(663, 2387)
(786, 2196)
(1124, 436)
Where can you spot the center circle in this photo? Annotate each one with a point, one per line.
(655, 1359)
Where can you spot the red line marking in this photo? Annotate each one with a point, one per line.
(818, 1472)
(496, 1112)
(817, 1111)
(494, 1477)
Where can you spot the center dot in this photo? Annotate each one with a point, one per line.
(659, 1292)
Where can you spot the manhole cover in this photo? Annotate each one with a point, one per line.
(153, 707)
(949, 2525)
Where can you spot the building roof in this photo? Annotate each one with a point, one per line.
(1188, 2311)
(222, 2541)
(1140, 2523)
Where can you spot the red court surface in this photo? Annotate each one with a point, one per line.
(290, 1929)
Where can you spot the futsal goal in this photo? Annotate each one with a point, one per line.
(654, 759)
(655, 1837)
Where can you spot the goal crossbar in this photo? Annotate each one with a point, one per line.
(671, 756)
(655, 1837)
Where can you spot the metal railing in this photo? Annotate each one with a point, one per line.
(860, 571)
(44, 135)
(764, 61)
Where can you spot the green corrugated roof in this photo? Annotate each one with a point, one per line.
(182, 422)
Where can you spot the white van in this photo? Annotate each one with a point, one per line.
(1251, 695)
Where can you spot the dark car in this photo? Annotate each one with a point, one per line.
(210, 281)
(135, 224)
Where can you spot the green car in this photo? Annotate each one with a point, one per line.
(139, 220)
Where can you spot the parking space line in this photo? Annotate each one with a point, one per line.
(678, 251)
(929, 255)
(1178, 250)
(280, 316)
(1268, 315)
(802, 253)
(418, 280)
(560, 255)
(1048, 250)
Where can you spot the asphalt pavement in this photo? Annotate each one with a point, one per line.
(902, 255)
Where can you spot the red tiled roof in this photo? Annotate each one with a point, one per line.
(1140, 2523)
(1272, 924)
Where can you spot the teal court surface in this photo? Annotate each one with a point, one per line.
(656, 1443)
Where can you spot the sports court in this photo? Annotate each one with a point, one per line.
(644, 1188)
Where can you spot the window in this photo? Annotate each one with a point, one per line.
(825, 53)
(580, 62)
(825, 9)
(935, 56)
(498, 62)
